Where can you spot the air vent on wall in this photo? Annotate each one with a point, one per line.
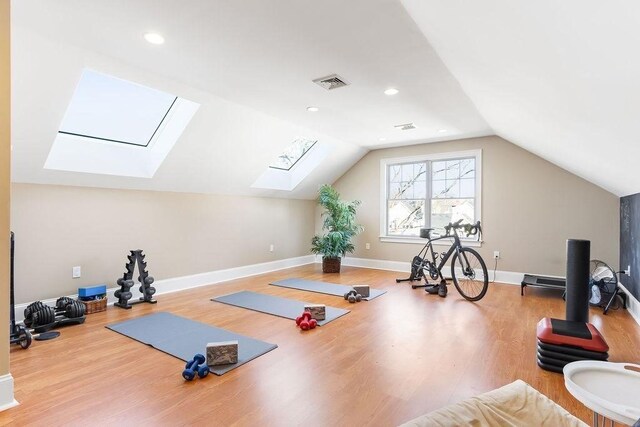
(331, 82)
(406, 126)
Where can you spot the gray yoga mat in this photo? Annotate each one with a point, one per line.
(183, 338)
(323, 287)
(277, 306)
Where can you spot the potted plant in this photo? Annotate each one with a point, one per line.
(339, 220)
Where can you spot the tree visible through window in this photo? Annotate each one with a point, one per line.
(293, 154)
(430, 194)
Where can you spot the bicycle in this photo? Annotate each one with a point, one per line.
(471, 278)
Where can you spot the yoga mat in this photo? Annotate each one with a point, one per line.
(277, 306)
(323, 287)
(183, 338)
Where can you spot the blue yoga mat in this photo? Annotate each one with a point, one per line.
(324, 287)
(183, 338)
(277, 306)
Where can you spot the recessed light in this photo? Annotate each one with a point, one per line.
(391, 91)
(313, 109)
(154, 38)
(382, 139)
(442, 130)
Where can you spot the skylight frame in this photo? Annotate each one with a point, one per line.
(175, 98)
(304, 153)
(115, 110)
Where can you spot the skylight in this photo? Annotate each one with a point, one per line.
(293, 154)
(112, 109)
(282, 175)
(116, 127)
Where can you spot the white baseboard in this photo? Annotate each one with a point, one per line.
(175, 284)
(6, 392)
(508, 277)
(633, 305)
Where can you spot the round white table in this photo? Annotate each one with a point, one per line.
(608, 389)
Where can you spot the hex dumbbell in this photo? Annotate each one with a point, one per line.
(195, 366)
(352, 296)
(306, 322)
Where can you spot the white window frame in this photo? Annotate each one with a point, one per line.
(384, 169)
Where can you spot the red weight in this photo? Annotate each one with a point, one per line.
(298, 320)
(304, 325)
(307, 315)
(313, 323)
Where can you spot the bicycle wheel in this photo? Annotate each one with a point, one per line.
(471, 279)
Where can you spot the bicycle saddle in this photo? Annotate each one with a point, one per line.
(425, 233)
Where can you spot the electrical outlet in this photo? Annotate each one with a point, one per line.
(76, 272)
(271, 247)
(496, 254)
(367, 245)
(628, 270)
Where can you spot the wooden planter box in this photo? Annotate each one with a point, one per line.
(331, 265)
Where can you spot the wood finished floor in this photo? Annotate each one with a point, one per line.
(391, 359)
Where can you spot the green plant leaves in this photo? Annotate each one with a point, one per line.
(339, 220)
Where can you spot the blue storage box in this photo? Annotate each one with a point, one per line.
(92, 291)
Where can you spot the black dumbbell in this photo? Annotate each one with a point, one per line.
(32, 308)
(352, 296)
(74, 310)
(44, 316)
(63, 302)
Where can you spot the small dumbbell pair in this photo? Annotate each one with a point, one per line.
(195, 366)
(352, 296)
(306, 322)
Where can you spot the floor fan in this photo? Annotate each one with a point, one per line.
(603, 284)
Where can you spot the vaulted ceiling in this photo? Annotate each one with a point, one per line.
(557, 78)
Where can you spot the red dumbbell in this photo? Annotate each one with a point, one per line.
(306, 322)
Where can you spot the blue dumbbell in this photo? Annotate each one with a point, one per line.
(194, 366)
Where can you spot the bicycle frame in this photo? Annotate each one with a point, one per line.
(455, 248)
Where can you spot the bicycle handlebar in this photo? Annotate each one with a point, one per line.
(470, 229)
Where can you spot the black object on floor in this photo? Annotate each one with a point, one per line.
(126, 282)
(577, 297)
(542, 282)
(45, 336)
(561, 342)
(17, 334)
(573, 351)
(182, 338)
(548, 367)
(42, 317)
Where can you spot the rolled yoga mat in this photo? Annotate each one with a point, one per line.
(183, 338)
(324, 287)
(278, 306)
(577, 304)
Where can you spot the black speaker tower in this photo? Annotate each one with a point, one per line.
(578, 254)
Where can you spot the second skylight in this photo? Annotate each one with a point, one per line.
(293, 154)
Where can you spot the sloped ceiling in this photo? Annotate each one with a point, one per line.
(559, 78)
(251, 65)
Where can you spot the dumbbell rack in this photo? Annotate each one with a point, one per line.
(126, 282)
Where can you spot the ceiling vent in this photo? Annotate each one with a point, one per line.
(331, 82)
(406, 126)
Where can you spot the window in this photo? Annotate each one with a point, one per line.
(429, 191)
(116, 110)
(293, 154)
(295, 164)
(116, 127)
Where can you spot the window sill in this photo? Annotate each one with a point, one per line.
(421, 241)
